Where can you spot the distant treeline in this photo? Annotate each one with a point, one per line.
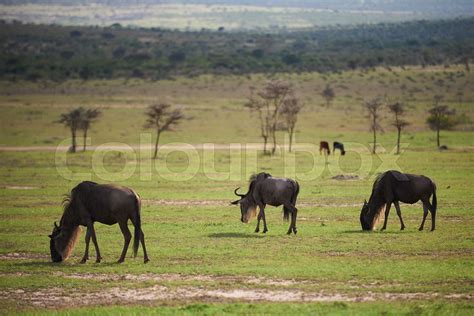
(53, 52)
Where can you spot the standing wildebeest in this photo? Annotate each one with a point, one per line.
(340, 146)
(263, 190)
(324, 146)
(90, 202)
(393, 186)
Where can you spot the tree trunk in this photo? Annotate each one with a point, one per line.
(291, 139)
(73, 147)
(85, 137)
(437, 136)
(274, 140)
(156, 145)
(265, 141)
(375, 141)
(398, 141)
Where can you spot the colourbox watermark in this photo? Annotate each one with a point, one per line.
(180, 162)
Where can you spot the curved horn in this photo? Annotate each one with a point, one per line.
(235, 192)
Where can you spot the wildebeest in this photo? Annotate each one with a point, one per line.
(340, 146)
(324, 146)
(90, 202)
(265, 189)
(394, 187)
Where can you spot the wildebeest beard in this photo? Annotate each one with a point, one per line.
(63, 243)
(251, 213)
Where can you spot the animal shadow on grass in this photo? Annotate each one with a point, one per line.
(360, 231)
(234, 235)
(62, 264)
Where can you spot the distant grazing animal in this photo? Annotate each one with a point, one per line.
(340, 146)
(393, 187)
(265, 189)
(90, 202)
(324, 146)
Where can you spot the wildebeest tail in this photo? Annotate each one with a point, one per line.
(137, 223)
(434, 201)
(286, 212)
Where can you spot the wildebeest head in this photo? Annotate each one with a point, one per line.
(55, 255)
(62, 243)
(248, 209)
(364, 212)
(343, 152)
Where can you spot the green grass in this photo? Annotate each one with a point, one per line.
(329, 253)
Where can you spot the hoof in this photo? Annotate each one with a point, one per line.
(432, 229)
(403, 228)
(98, 260)
(265, 231)
(83, 261)
(420, 229)
(256, 230)
(120, 260)
(146, 260)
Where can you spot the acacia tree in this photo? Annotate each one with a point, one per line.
(72, 120)
(398, 110)
(373, 108)
(162, 118)
(289, 112)
(268, 103)
(88, 117)
(440, 119)
(328, 94)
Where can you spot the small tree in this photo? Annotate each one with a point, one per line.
(88, 117)
(328, 94)
(73, 121)
(373, 108)
(162, 118)
(268, 103)
(440, 119)
(257, 105)
(398, 110)
(289, 112)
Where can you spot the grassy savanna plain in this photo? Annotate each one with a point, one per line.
(203, 260)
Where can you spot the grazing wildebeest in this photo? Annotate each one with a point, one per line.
(90, 202)
(394, 187)
(265, 189)
(340, 146)
(324, 146)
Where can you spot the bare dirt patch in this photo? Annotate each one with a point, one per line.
(18, 187)
(281, 290)
(56, 297)
(22, 256)
(227, 203)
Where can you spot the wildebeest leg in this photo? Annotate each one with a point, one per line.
(86, 253)
(127, 236)
(294, 212)
(399, 213)
(433, 215)
(262, 213)
(387, 211)
(425, 213)
(259, 217)
(90, 227)
(142, 240)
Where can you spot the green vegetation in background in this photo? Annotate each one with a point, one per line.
(38, 52)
